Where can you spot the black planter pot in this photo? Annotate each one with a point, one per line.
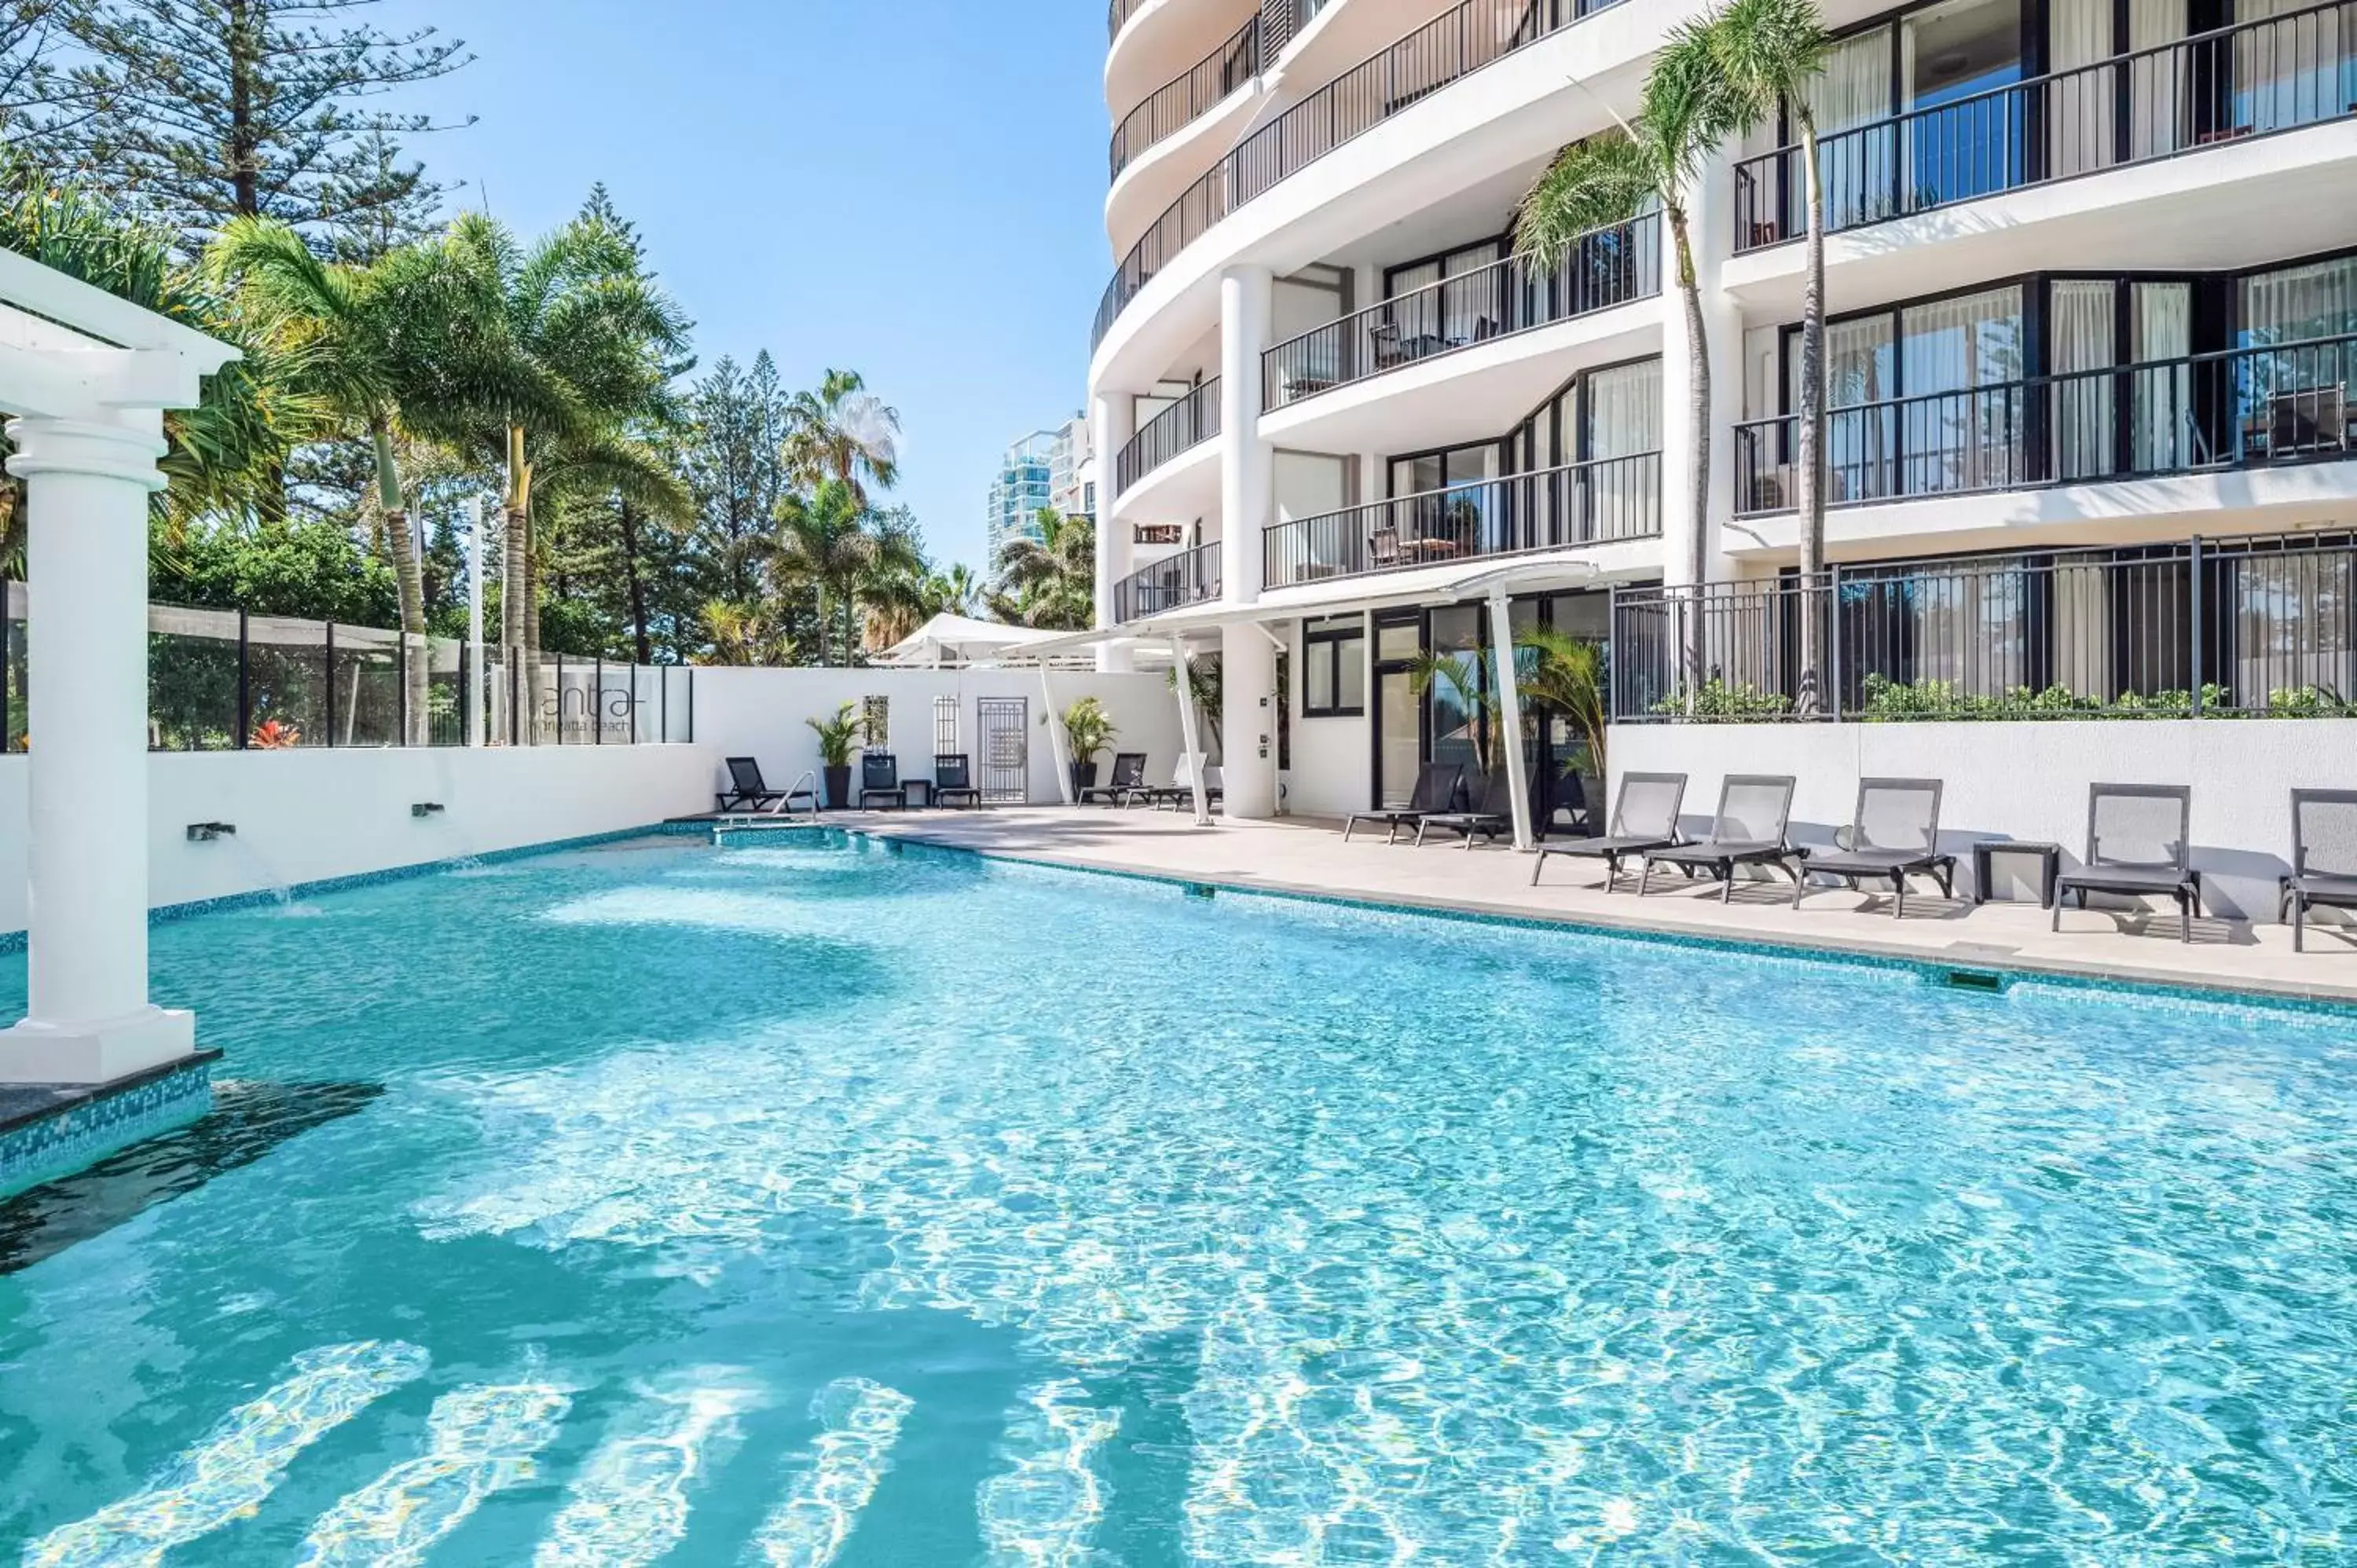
(1084, 777)
(838, 787)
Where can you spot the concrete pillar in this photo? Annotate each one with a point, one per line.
(1510, 715)
(1114, 420)
(1712, 224)
(1247, 506)
(89, 1021)
(1182, 683)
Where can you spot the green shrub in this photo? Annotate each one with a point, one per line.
(1718, 701)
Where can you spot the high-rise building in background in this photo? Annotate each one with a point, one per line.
(1051, 468)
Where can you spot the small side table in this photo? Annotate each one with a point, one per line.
(909, 788)
(1990, 855)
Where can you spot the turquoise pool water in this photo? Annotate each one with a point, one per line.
(811, 1204)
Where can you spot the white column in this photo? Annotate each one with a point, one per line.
(89, 1019)
(1115, 421)
(1183, 670)
(1510, 716)
(1712, 221)
(1247, 506)
(1056, 739)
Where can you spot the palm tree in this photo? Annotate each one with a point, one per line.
(1050, 582)
(1555, 670)
(827, 540)
(1686, 111)
(385, 349)
(1769, 53)
(842, 432)
(744, 633)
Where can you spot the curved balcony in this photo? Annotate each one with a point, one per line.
(1190, 422)
(2258, 78)
(2248, 408)
(1117, 15)
(1469, 36)
(1189, 577)
(1610, 267)
(1601, 501)
(1186, 98)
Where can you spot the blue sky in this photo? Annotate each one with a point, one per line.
(912, 188)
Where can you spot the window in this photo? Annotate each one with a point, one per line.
(1334, 668)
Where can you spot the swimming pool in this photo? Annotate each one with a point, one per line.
(804, 1202)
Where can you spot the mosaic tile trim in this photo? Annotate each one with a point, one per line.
(87, 1130)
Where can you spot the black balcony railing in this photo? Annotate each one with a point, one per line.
(1467, 37)
(1189, 577)
(1610, 267)
(1182, 101)
(1583, 503)
(2274, 403)
(2193, 628)
(1190, 422)
(2279, 73)
(1117, 15)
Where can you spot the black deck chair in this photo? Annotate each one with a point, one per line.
(1179, 793)
(880, 779)
(1895, 835)
(954, 780)
(1754, 812)
(751, 792)
(1128, 774)
(1645, 817)
(2138, 844)
(2323, 857)
(1436, 784)
(1489, 813)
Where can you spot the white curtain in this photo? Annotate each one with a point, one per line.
(2295, 73)
(2157, 89)
(2162, 316)
(1853, 93)
(2081, 105)
(2302, 394)
(2083, 337)
(2318, 300)
(1624, 420)
(1969, 346)
(1859, 362)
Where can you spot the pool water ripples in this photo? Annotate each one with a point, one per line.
(1010, 1214)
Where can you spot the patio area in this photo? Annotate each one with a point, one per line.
(1307, 855)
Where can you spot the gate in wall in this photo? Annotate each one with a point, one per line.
(1005, 725)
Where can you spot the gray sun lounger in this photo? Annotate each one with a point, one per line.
(1644, 817)
(1754, 812)
(1435, 794)
(2323, 857)
(1128, 775)
(2138, 844)
(1490, 814)
(1895, 835)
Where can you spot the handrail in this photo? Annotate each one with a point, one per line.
(2202, 412)
(1608, 267)
(1190, 577)
(1598, 501)
(2146, 106)
(1188, 422)
(1188, 96)
(1472, 35)
(1117, 15)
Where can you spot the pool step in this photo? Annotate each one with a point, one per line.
(859, 1423)
(479, 1441)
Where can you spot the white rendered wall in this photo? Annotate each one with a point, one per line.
(306, 816)
(2029, 781)
(1333, 760)
(760, 713)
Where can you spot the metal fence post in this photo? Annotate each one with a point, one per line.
(468, 694)
(691, 704)
(1834, 638)
(1612, 652)
(634, 704)
(597, 703)
(401, 674)
(245, 683)
(2197, 672)
(560, 696)
(331, 682)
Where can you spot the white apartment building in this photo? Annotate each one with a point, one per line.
(2092, 367)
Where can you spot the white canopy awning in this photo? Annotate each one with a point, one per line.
(961, 639)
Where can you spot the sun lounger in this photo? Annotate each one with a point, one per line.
(1436, 784)
(879, 780)
(2323, 857)
(1895, 835)
(954, 781)
(1488, 814)
(2138, 844)
(1754, 812)
(1128, 774)
(1645, 817)
(750, 792)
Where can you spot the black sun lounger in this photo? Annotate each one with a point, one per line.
(1434, 795)
(1754, 810)
(954, 780)
(1490, 814)
(750, 792)
(1128, 774)
(1644, 817)
(1894, 835)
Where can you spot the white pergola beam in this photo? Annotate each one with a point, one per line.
(1183, 676)
(1510, 713)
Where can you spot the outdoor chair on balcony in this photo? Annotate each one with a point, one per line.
(1128, 776)
(2323, 857)
(954, 781)
(1644, 818)
(1755, 810)
(750, 792)
(1895, 835)
(2138, 844)
(879, 780)
(1382, 548)
(1436, 784)
(1488, 815)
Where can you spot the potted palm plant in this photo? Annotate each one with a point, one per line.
(836, 737)
(1567, 675)
(1088, 730)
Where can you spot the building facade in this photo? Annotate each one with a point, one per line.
(1052, 468)
(2092, 373)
